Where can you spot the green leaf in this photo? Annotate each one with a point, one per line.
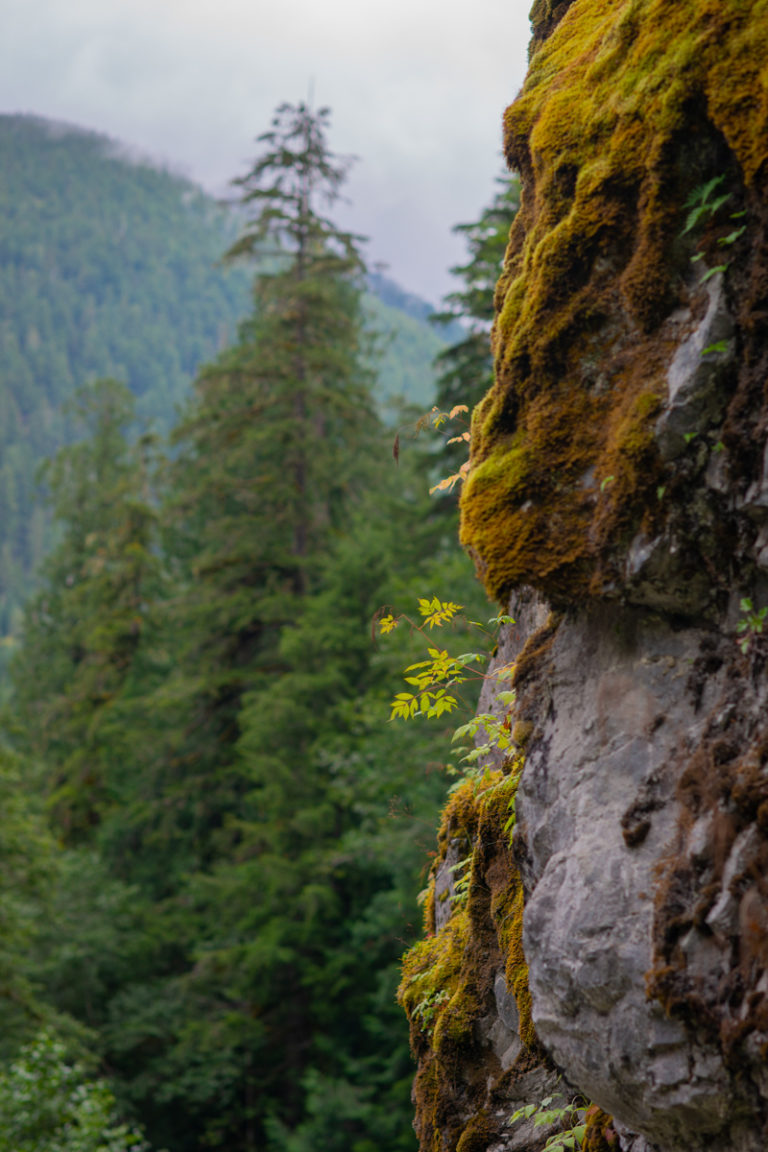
(693, 218)
(524, 1113)
(508, 697)
(471, 658)
(732, 237)
(717, 204)
(720, 346)
(713, 272)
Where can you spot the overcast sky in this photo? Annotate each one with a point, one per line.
(417, 89)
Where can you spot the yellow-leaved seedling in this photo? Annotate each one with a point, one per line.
(436, 682)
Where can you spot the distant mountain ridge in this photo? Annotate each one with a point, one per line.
(110, 266)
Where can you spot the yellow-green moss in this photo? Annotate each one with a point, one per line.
(440, 988)
(431, 988)
(507, 902)
(623, 112)
(600, 1135)
(522, 732)
(435, 991)
(477, 1134)
(448, 978)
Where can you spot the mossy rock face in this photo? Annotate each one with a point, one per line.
(465, 985)
(629, 110)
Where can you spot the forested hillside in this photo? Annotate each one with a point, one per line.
(112, 267)
(212, 840)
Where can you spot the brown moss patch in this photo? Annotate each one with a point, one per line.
(712, 887)
(600, 1135)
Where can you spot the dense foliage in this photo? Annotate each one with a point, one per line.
(48, 1103)
(201, 705)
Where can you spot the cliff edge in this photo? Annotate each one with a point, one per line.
(618, 500)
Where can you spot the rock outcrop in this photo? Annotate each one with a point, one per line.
(618, 494)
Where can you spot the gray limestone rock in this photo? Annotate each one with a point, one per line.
(695, 377)
(613, 703)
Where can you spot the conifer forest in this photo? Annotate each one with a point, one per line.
(384, 687)
(219, 435)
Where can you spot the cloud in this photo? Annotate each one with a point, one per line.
(417, 89)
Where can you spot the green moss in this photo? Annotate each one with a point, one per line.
(431, 991)
(448, 978)
(434, 991)
(624, 111)
(507, 903)
(477, 1135)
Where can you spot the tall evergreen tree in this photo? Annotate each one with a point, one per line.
(238, 827)
(466, 367)
(83, 628)
(245, 832)
(271, 455)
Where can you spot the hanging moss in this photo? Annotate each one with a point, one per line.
(627, 107)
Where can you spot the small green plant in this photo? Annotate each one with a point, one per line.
(751, 623)
(461, 882)
(498, 732)
(427, 1007)
(437, 681)
(733, 236)
(703, 203)
(713, 272)
(720, 346)
(569, 1115)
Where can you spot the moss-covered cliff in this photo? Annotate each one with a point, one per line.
(618, 493)
(465, 986)
(630, 109)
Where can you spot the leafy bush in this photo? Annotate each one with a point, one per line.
(48, 1104)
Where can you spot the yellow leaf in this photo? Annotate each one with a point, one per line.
(448, 482)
